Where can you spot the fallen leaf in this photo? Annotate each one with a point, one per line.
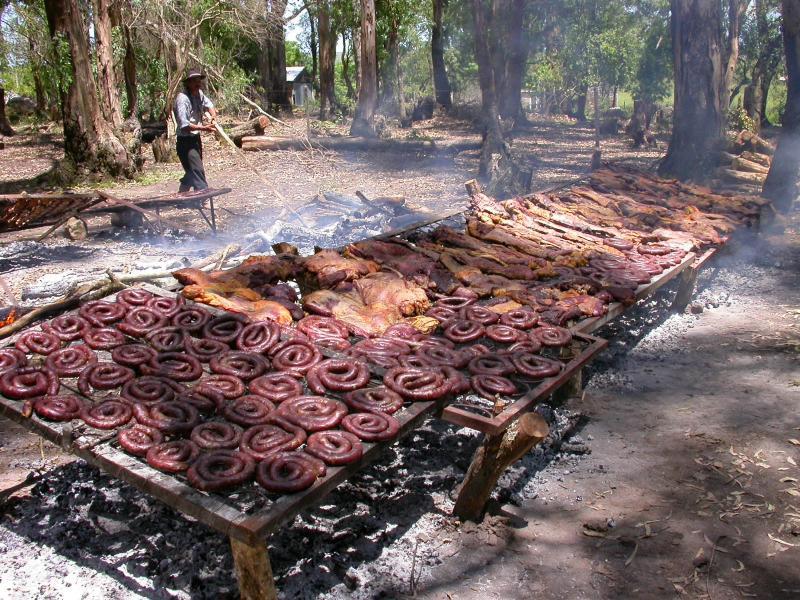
(792, 492)
(794, 441)
(788, 480)
(739, 567)
(791, 461)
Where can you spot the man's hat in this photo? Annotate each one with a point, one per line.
(194, 74)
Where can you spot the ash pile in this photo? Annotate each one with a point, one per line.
(331, 220)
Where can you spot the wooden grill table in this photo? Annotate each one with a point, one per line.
(248, 515)
(25, 211)
(511, 431)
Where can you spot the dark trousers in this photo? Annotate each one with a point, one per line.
(190, 153)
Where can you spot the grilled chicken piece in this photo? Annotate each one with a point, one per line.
(332, 268)
(243, 288)
(241, 302)
(387, 289)
(348, 307)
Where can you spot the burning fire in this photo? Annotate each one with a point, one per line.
(9, 318)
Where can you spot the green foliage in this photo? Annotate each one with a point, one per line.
(297, 56)
(653, 75)
(776, 101)
(739, 120)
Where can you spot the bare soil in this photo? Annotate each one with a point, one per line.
(682, 479)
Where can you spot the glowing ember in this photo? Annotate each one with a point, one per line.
(9, 318)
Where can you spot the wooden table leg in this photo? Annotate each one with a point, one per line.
(492, 458)
(253, 571)
(213, 215)
(688, 280)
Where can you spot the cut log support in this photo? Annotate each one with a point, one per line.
(253, 127)
(686, 286)
(492, 458)
(253, 571)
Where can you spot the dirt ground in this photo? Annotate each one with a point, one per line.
(264, 183)
(681, 479)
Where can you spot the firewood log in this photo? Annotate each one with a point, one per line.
(762, 159)
(754, 178)
(345, 143)
(747, 140)
(742, 164)
(255, 126)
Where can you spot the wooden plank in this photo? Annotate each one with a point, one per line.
(208, 509)
(494, 426)
(52, 432)
(190, 200)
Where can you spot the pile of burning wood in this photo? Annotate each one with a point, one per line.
(563, 256)
(332, 220)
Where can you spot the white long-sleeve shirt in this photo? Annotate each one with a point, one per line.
(189, 110)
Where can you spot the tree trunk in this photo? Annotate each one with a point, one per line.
(129, 70)
(698, 122)
(327, 58)
(363, 123)
(38, 86)
(356, 47)
(277, 90)
(493, 137)
(754, 100)
(514, 47)
(89, 140)
(783, 181)
(272, 60)
(763, 98)
(5, 126)
(580, 105)
(389, 73)
(441, 83)
(736, 11)
(312, 44)
(110, 104)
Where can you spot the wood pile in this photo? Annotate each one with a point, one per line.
(253, 127)
(748, 159)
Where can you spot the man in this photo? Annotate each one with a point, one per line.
(190, 105)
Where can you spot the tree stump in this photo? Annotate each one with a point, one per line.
(163, 151)
(127, 218)
(76, 229)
